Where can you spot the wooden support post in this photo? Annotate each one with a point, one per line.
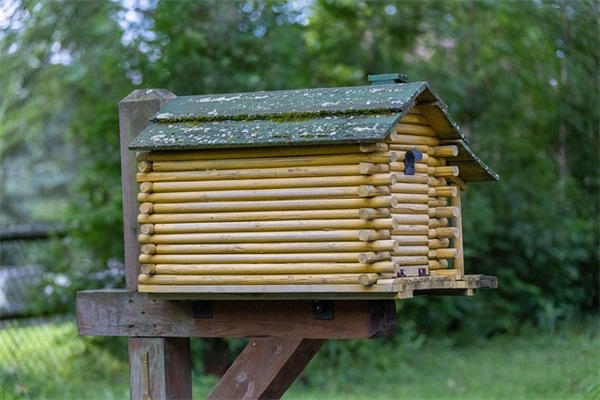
(159, 367)
(266, 368)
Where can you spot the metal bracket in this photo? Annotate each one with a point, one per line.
(202, 309)
(322, 309)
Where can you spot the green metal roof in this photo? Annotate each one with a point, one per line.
(359, 114)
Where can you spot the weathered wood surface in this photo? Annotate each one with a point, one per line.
(266, 368)
(133, 314)
(160, 368)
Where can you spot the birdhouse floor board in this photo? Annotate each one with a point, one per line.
(394, 288)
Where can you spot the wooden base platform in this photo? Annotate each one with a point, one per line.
(398, 288)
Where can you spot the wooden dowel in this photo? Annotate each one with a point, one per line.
(411, 219)
(435, 182)
(405, 208)
(275, 205)
(447, 151)
(414, 139)
(366, 168)
(271, 226)
(418, 178)
(350, 257)
(370, 235)
(269, 268)
(398, 147)
(409, 260)
(446, 171)
(418, 130)
(273, 162)
(148, 269)
(257, 216)
(438, 264)
(141, 156)
(291, 247)
(438, 222)
(448, 232)
(411, 198)
(437, 202)
(149, 249)
(257, 152)
(270, 183)
(368, 279)
(414, 119)
(444, 212)
(453, 273)
(372, 191)
(410, 230)
(251, 195)
(411, 240)
(146, 208)
(251, 173)
(373, 257)
(373, 213)
(444, 253)
(146, 187)
(266, 237)
(411, 251)
(307, 279)
(147, 229)
(438, 243)
(412, 188)
(401, 156)
(145, 166)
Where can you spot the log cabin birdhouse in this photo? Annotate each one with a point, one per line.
(342, 193)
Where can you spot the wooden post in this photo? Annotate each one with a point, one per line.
(160, 368)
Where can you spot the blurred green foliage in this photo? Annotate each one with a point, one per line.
(522, 79)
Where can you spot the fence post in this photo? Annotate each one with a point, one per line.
(159, 367)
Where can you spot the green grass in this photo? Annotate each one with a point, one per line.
(52, 362)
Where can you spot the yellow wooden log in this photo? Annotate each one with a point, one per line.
(370, 235)
(268, 268)
(291, 247)
(257, 216)
(350, 257)
(419, 178)
(409, 260)
(405, 208)
(438, 264)
(373, 213)
(412, 188)
(414, 139)
(401, 156)
(273, 162)
(252, 173)
(415, 119)
(266, 237)
(438, 222)
(444, 212)
(444, 253)
(443, 191)
(446, 151)
(411, 198)
(410, 219)
(435, 202)
(368, 279)
(410, 230)
(367, 168)
(141, 156)
(270, 226)
(411, 240)
(270, 183)
(371, 257)
(146, 208)
(418, 130)
(453, 273)
(147, 229)
(146, 187)
(447, 232)
(367, 191)
(275, 205)
(438, 243)
(145, 166)
(435, 182)
(398, 147)
(149, 249)
(446, 171)
(459, 262)
(411, 251)
(306, 279)
(148, 269)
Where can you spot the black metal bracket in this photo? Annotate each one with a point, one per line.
(322, 309)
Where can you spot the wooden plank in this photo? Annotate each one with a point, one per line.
(134, 115)
(160, 368)
(266, 368)
(134, 314)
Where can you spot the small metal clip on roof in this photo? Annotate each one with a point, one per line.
(386, 79)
